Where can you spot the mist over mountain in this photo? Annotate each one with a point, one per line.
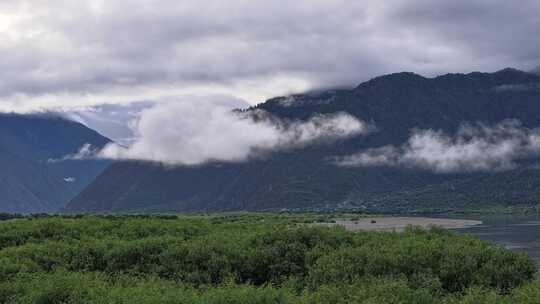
(36, 175)
(449, 142)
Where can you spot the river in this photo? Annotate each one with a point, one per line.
(515, 232)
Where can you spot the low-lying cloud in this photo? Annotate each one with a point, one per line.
(473, 148)
(86, 151)
(191, 133)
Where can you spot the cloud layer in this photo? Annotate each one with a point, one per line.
(473, 148)
(60, 53)
(190, 133)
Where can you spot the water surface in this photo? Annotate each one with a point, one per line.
(514, 232)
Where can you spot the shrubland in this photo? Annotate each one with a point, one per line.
(250, 258)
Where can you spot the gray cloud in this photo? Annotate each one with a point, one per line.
(72, 53)
(191, 132)
(473, 148)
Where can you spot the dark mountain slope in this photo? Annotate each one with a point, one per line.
(34, 178)
(149, 187)
(305, 178)
(26, 186)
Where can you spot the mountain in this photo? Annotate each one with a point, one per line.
(35, 177)
(305, 178)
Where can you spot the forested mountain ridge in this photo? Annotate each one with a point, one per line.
(307, 178)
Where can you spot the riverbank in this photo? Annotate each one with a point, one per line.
(392, 223)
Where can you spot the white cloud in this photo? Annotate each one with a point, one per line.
(86, 151)
(69, 179)
(387, 155)
(473, 148)
(190, 132)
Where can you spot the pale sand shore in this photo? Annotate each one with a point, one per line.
(399, 223)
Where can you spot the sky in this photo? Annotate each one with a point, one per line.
(114, 64)
(59, 54)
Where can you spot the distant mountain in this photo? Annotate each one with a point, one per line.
(34, 175)
(306, 179)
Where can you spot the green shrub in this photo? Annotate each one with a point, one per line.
(250, 259)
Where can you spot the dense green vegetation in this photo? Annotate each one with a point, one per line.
(250, 259)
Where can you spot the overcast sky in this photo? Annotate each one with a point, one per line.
(61, 53)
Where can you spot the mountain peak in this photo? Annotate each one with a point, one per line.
(395, 79)
(400, 76)
(509, 70)
(512, 75)
(513, 72)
